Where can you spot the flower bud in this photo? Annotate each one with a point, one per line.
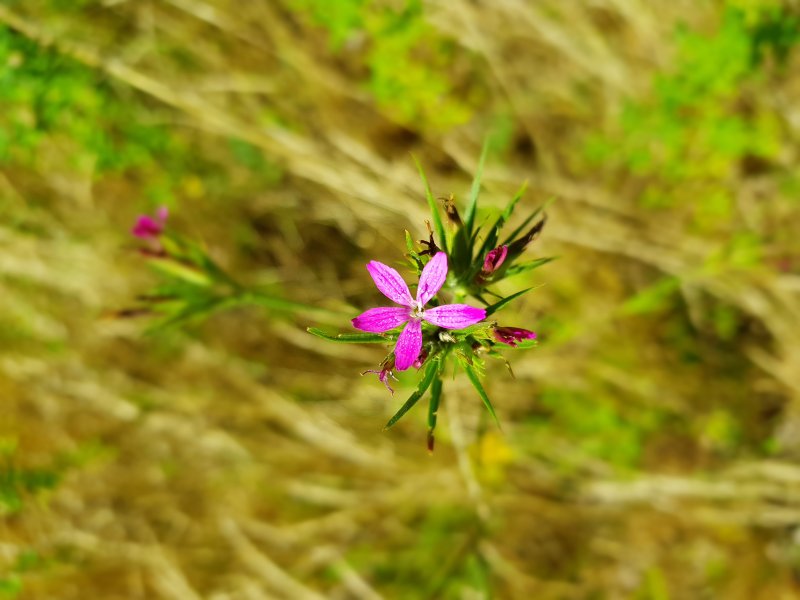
(149, 228)
(423, 356)
(512, 335)
(494, 260)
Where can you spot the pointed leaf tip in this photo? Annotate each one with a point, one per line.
(424, 384)
(476, 383)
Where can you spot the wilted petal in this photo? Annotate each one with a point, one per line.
(378, 320)
(432, 278)
(454, 316)
(389, 282)
(408, 345)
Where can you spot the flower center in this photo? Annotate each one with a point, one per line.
(416, 310)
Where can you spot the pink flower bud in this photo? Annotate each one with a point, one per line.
(512, 335)
(423, 356)
(494, 259)
(149, 228)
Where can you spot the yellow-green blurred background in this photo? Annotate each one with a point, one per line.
(650, 443)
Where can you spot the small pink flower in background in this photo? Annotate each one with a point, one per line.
(494, 260)
(412, 311)
(149, 228)
(512, 335)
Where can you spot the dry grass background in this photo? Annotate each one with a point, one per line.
(243, 459)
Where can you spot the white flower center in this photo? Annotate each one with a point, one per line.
(416, 310)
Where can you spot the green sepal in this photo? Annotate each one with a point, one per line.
(350, 338)
(524, 344)
(476, 383)
(430, 374)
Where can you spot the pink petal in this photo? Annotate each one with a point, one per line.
(432, 278)
(408, 345)
(389, 283)
(378, 320)
(162, 213)
(454, 316)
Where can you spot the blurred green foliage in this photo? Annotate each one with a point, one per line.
(703, 121)
(18, 483)
(11, 582)
(407, 59)
(46, 94)
(683, 144)
(440, 561)
(594, 426)
(48, 97)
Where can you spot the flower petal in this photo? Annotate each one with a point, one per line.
(389, 282)
(408, 345)
(378, 320)
(454, 316)
(432, 278)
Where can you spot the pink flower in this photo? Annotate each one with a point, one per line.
(149, 228)
(412, 311)
(512, 335)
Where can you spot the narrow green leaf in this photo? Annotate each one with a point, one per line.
(259, 298)
(491, 240)
(175, 270)
(476, 383)
(437, 219)
(469, 216)
(522, 227)
(527, 221)
(349, 338)
(410, 243)
(498, 305)
(433, 410)
(430, 373)
(461, 255)
(528, 266)
(191, 310)
(494, 233)
(511, 205)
